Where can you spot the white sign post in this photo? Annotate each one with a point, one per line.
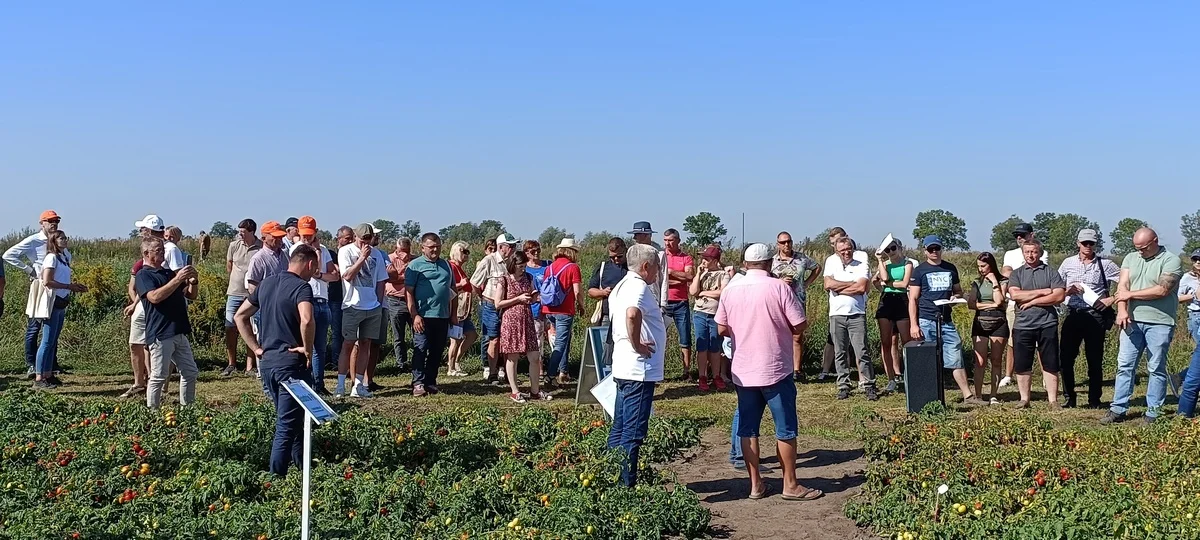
(316, 411)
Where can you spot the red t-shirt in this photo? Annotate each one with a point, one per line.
(567, 278)
(137, 266)
(678, 263)
(459, 275)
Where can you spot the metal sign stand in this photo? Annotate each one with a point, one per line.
(316, 411)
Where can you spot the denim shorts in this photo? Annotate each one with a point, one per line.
(680, 312)
(707, 339)
(779, 397)
(232, 303)
(489, 319)
(951, 342)
(468, 326)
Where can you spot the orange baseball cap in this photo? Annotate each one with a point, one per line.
(307, 225)
(48, 215)
(274, 229)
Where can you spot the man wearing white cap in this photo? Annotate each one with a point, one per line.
(760, 314)
(173, 257)
(1086, 323)
(488, 276)
(149, 227)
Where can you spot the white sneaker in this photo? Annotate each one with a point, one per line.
(993, 401)
(360, 391)
(487, 373)
(503, 376)
(1006, 381)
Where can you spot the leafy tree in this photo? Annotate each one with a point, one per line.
(324, 236)
(135, 233)
(1122, 235)
(947, 226)
(490, 228)
(471, 232)
(1190, 228)
(221, 229)
(386, 228)
(1002, 233)
(594, 240)
(1058, 232)
(552, 236)
(411, 230)
(703, 229)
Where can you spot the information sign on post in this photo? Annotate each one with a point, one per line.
(591, 369)
(316, 411)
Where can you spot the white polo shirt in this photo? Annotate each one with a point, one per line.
(320, 289)
(173, 257)
(847, 304)
(627, 364)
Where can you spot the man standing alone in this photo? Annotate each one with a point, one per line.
(288, 333)
(1147, 296)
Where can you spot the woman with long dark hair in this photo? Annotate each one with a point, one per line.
(56, 276)
(989, 331)
(517, 334)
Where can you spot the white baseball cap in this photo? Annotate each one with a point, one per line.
(504, 239)
(757, 253)
(152, 222)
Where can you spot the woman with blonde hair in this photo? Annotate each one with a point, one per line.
(459, 253)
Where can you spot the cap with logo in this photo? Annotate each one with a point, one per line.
(307, 225)
(1195, 255)
(274, 229)
(931, 240)
(1088, 235)
(757, 253)
(291, 222)
(364, 229)
(504, 239)
(711, 252)
(1023, 228)
(151, 222)
(642, 227)
(49, 215)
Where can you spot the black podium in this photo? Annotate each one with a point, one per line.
(923, 382)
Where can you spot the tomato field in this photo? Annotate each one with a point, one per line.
(1018, 477)
(104, 470)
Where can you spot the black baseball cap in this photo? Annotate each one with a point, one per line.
(1023, 228)
(291, 222)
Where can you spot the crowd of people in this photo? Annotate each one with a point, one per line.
(301, 306)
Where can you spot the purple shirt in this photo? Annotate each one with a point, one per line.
(760, 312)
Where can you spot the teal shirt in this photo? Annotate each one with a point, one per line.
(433, 287)
(896, 273)
(1143, 274)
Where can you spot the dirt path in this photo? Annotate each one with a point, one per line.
(833, 467)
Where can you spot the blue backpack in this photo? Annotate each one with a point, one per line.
(550, 291)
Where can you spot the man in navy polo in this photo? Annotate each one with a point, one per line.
(287, 331)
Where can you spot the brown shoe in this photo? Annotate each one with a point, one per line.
(419, 390)
(1022, 404)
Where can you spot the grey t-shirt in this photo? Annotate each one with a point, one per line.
(1029, 279)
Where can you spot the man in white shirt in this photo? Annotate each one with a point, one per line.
(847, 280)
(1013, 259)
(326, 273)
(292, 237)
(362, 313)
(639, 341)
(488, 276)
(827, 355)
(33, 251)
(643, 234)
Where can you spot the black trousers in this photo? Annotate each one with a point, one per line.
(1083, 326)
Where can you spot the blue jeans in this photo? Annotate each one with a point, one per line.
(1155, 339)
(47, 351)
(631, 421)
(559, 359)
(335, 322)
(321, 314)
(951, 342)
(287, 447)
(1191, 381)
(681, 313)
(707, 339)
(735, 442)
(31, 342)
(489, 320)
(780, 397)
(428, 347)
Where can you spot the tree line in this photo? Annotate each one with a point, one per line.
(1056, 231)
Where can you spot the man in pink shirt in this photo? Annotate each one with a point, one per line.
(679, 271)
(760, 314)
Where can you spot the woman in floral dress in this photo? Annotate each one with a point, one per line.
(517, 333)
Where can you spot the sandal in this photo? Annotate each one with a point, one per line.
(809, 494)
(765, 491)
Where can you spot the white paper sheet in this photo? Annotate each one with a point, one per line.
(887, 241)
(951, 301)
(605, 392)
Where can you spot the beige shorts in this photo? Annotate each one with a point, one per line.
(1011, 315)
(137, 325)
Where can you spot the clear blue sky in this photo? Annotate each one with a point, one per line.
(802, 116)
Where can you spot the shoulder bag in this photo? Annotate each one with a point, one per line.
(598, 313)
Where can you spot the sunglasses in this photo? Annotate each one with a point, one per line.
(785, 242)
(1196, 259)
(1088, 244)
(54, 221)
(933, 249)
(891, 248)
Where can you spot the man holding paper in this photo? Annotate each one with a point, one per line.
(934, 288)
(1089, 315)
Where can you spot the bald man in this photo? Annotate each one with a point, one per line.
(1146, 298)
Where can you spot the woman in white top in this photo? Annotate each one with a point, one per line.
(56, 276)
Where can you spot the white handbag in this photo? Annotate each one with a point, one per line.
(598, 314)
(40, 302)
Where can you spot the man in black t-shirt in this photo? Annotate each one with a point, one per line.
(607, 275)
(284, 346)
(934, 280)
(164, 294)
